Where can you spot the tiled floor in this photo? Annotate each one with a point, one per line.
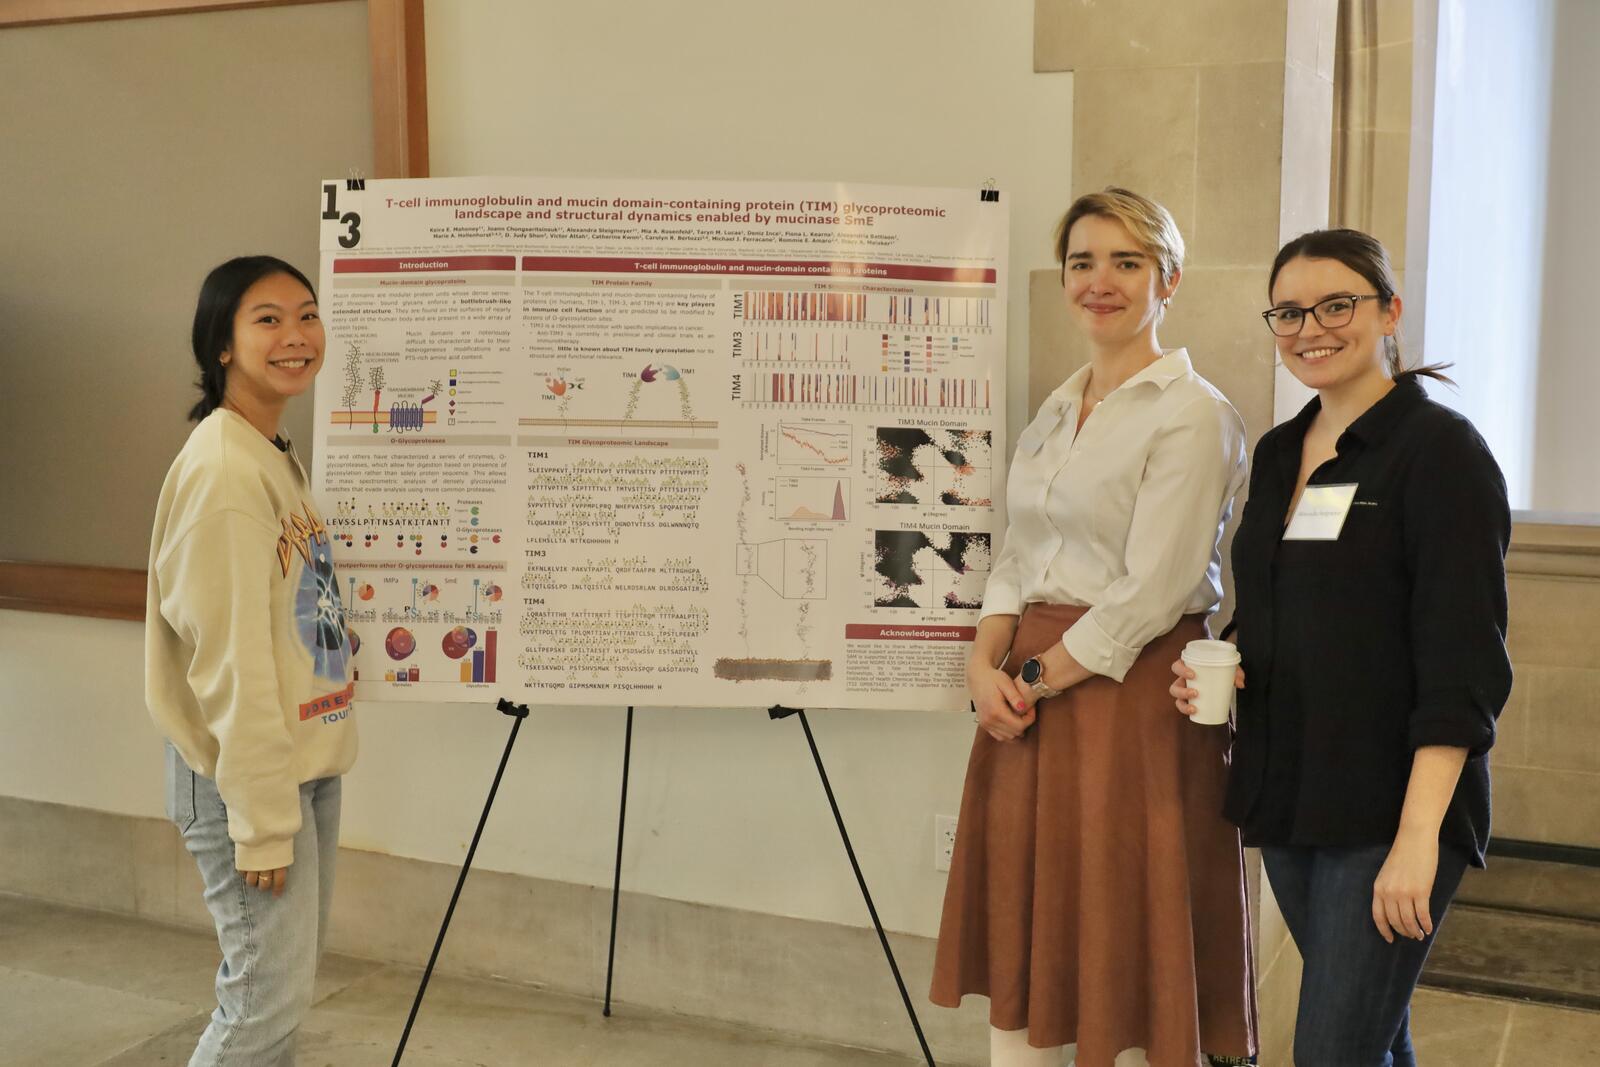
(85, 989)
(1451, 1030)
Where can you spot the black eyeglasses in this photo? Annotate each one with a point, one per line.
(1334, 311)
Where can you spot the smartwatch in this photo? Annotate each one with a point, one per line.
(1032, 675)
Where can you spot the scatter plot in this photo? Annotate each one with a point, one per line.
(930, 569)
(952, 468)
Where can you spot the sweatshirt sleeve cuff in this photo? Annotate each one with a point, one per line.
(1096, 650)
(269, 856)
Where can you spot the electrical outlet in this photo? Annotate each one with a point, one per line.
(944, 841)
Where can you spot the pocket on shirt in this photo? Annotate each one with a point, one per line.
(180, 790)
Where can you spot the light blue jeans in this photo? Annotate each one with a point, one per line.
(270, 945)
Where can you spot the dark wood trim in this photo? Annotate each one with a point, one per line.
(47, 12)
(399, 89)
(71, 589)
(400, 150)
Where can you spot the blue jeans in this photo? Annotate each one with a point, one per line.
(1355, 990)
(270, 945)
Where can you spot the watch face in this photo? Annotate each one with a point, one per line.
(1031, 670)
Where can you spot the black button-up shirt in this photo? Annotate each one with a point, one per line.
(1358, 651)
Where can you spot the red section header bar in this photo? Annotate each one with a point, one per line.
(863, 631)
(757, 268)
(423, 264)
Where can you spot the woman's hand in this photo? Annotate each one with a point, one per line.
(1003, 712)
(273, 881)
(1400, 895)
(1184, 695)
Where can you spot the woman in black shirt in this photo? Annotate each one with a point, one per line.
(1369, 570)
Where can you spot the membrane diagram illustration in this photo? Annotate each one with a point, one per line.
(400, 416)
(657, 397)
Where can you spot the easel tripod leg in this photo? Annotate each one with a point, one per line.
(517, 712)
(616, 879)
(866, 895)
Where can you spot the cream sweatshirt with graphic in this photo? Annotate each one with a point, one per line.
(247, 663)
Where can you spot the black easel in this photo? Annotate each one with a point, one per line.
(616, 879)
(517, 712)
(777, 711)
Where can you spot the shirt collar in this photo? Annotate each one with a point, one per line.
(1162, 373)
(1166, 370)
(1370, 427)
(1378, 421)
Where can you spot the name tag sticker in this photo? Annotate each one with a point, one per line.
(1321, 513)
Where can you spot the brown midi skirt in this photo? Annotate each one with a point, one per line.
(1096, 894)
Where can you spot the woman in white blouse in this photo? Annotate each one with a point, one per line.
(1096, 895)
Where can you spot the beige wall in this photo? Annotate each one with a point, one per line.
(726, 808)
(137, 154)
(1546, 763)
(1223, 113)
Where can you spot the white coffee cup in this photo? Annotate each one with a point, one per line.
(1214, 664)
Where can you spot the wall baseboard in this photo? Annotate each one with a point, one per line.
(1543, 852)
(818, 980)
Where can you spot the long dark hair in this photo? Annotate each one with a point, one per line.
(1365, 255)
(220, 295)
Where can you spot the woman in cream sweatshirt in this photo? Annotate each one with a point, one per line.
(247, 663)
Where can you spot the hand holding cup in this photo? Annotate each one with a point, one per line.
(1201, 690)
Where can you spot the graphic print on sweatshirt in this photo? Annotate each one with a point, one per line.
(318, 610)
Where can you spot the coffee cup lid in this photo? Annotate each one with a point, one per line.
(1211, 653)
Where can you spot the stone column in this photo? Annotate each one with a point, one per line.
(1222, 111)
(1372, 121)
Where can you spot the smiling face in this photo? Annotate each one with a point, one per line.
(277, 345)
(1337, 357)
(1113, 287)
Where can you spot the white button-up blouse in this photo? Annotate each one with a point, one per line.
(1124, 517)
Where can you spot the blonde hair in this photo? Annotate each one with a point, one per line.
(1150, 224)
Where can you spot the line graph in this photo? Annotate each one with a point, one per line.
(814, 444)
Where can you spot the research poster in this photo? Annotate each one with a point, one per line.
(661, 443)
